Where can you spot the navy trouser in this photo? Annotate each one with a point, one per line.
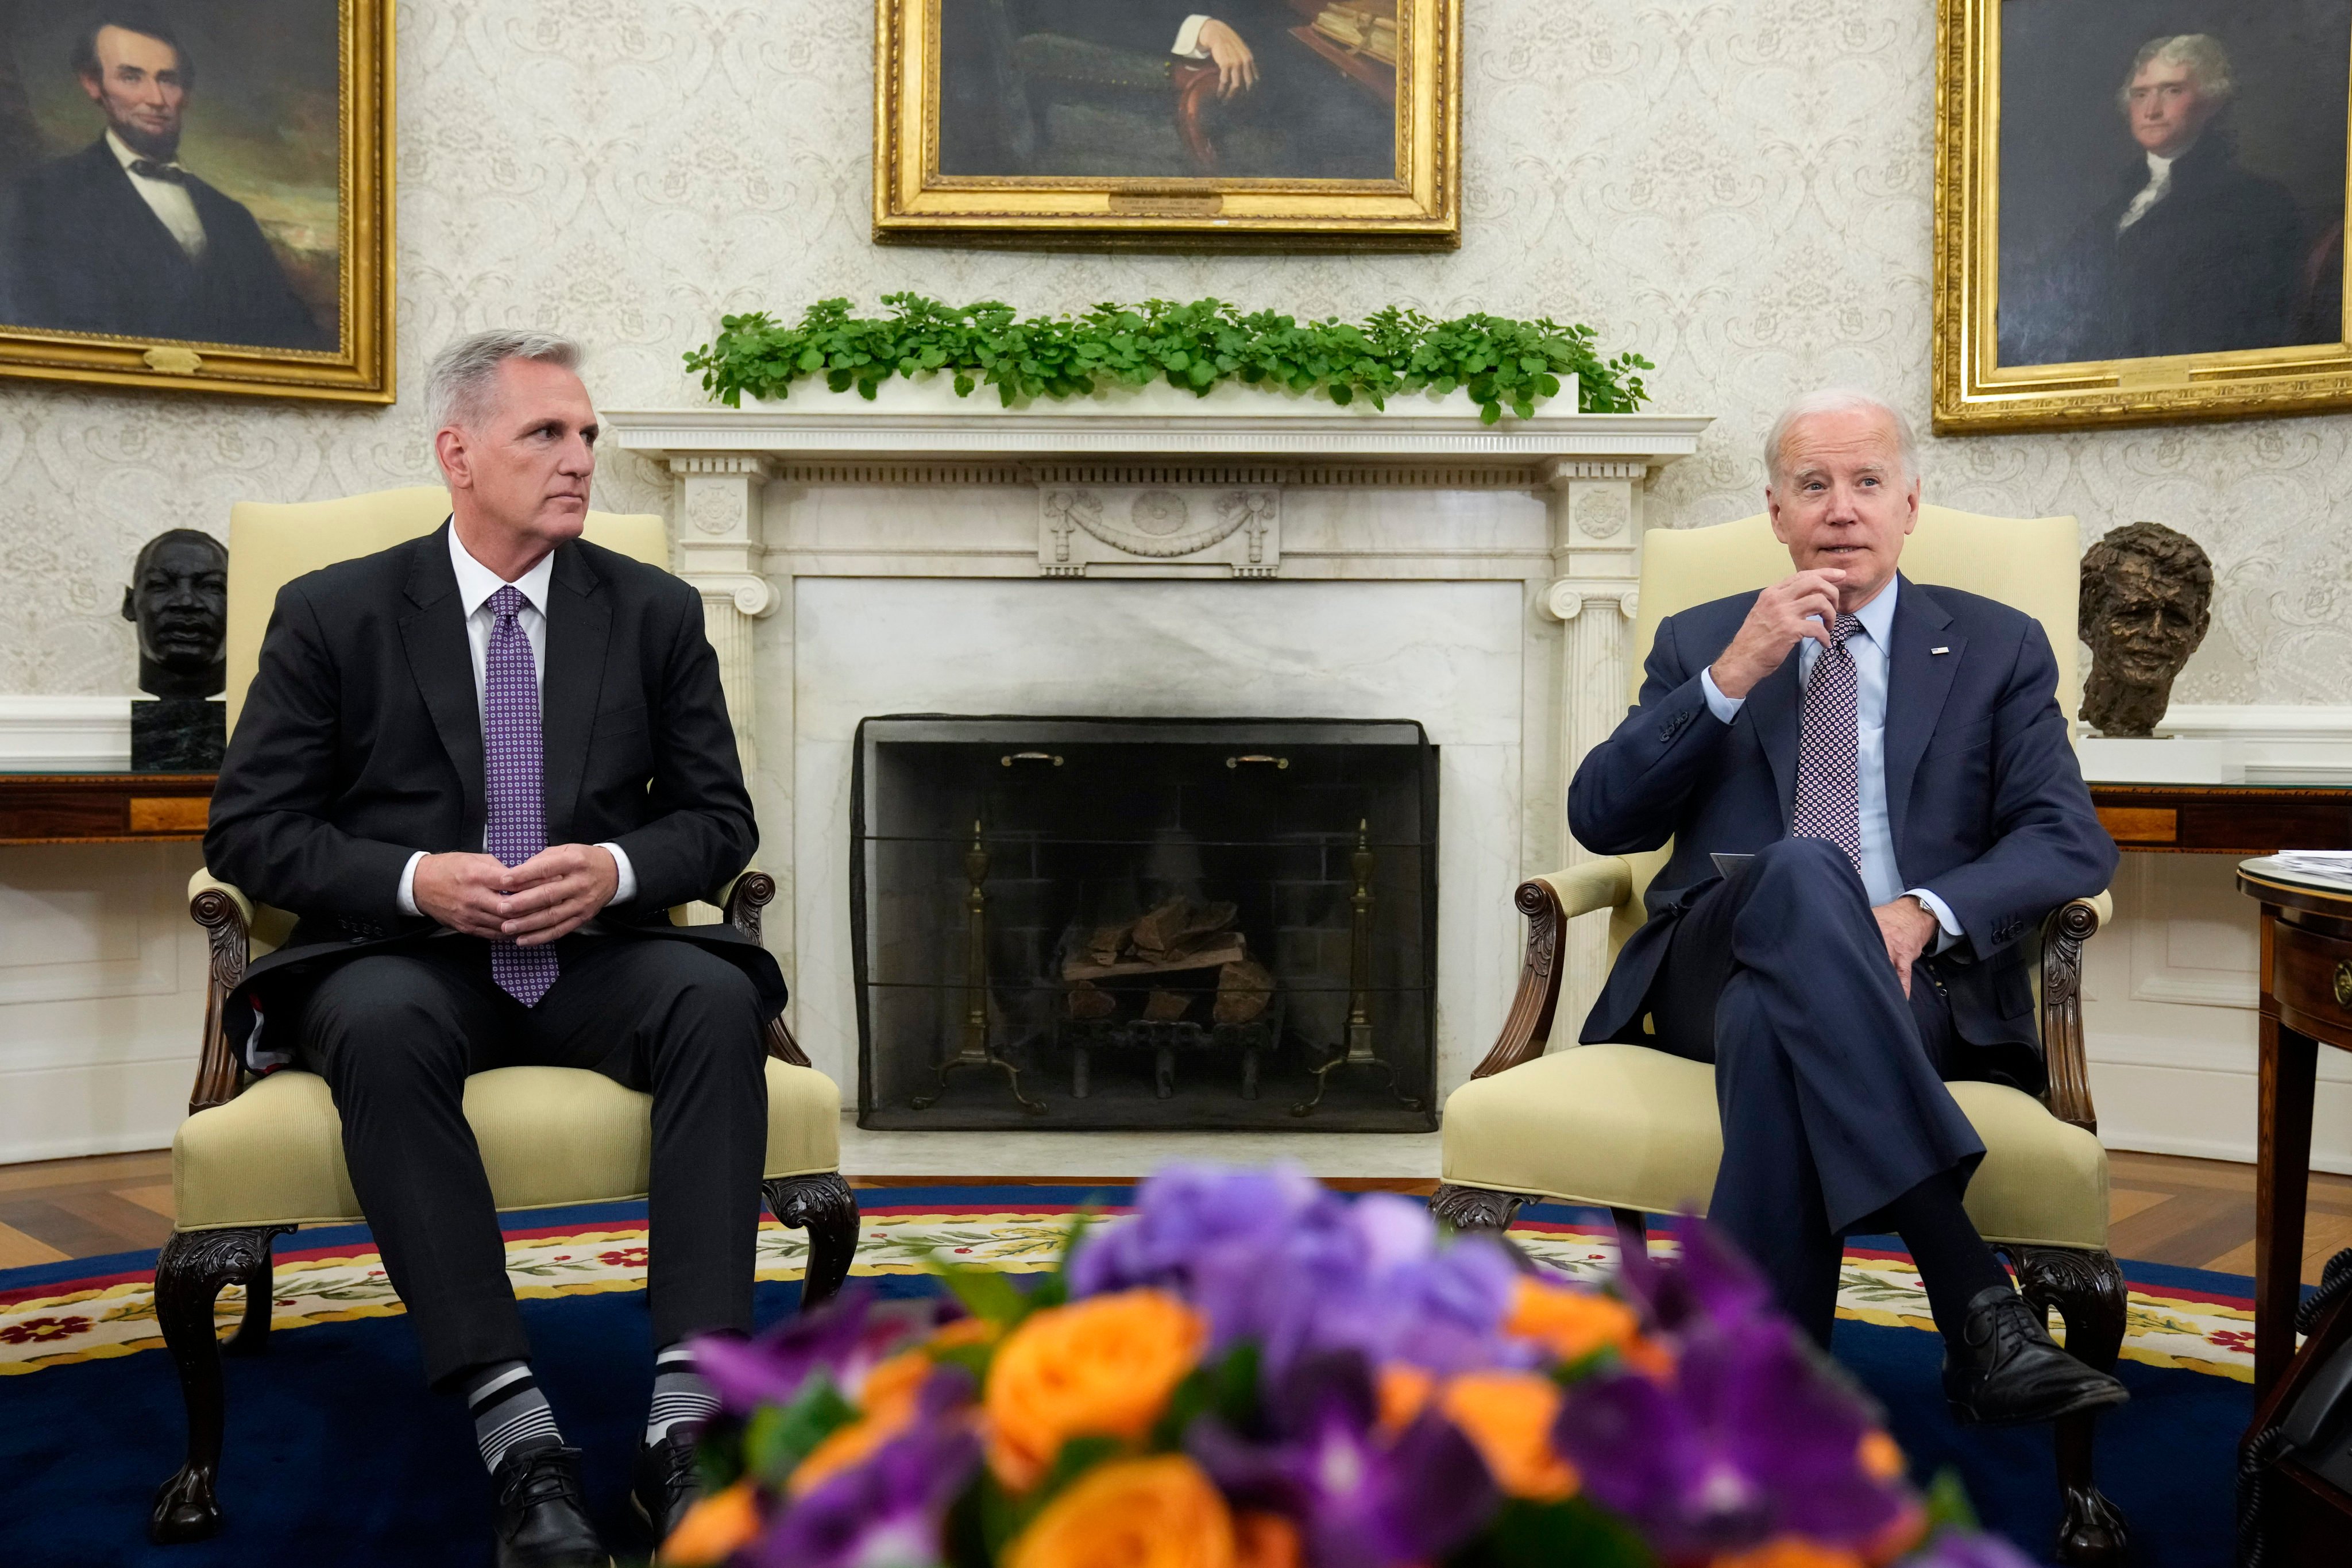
(396, 1034)
(1829, 1082)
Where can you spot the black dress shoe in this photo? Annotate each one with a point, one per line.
(540, 1521)
(2003, 1367)
(665, 1484)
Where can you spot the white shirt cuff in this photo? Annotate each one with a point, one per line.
(626, 888)
(1724, 708)
(1187, 38)
(409, 885)
(1945, 919)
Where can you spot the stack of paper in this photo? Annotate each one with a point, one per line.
(2330, 867)
(1366, 26)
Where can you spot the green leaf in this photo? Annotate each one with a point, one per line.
(780, 1436)
(984, 1292)
(1553, 1536)
(1947, 1502)
(1226, 1389)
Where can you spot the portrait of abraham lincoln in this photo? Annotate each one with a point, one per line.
(170, 173)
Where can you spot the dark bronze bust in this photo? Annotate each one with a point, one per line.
(178, 598)
(2146, 601)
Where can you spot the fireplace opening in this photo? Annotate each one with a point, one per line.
(1066, 923)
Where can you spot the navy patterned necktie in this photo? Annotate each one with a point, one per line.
(1828, 766)
(516, 829)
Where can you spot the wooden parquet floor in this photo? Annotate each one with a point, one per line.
(2196, 1213)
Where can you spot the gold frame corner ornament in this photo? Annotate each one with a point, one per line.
(913, 204)
(1976, 394)
(361, 368)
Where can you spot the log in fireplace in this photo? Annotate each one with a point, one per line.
(1065, 922)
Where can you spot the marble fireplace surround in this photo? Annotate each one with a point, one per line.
(1243, 555)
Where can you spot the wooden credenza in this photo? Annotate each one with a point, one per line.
(103, 808)
(2239, 819)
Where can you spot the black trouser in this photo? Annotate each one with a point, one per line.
(395, 1034)
(1829, 1082)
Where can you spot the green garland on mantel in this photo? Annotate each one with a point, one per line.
(1506, 364)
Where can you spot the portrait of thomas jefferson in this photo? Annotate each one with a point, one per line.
(2180, 206)
(123, 237)
(1233, 88)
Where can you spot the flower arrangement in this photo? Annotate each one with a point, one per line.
(1252, 1372)
(1504, 364)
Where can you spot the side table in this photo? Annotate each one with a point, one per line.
(2306, 1001)
(103, 808)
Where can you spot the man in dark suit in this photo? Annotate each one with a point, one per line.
(480, 767)
(1893, 759)
(1329, 129)
(2190, 252)
(120, 239)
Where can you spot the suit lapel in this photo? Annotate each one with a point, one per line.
(579, 631)
(133, 219)
(1775, 702)
(1919, 678)
(434, 634)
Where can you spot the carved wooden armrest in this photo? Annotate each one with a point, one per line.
(2069, 926)
(1550, 903)
(743, 899)
(226, 915)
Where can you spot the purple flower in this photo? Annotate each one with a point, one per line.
(1361, 1501)
(1273, 1258)
(1710, 1285)
(1752, 1439)
(845, 1338)
(886, 1512)
(1958, 1548)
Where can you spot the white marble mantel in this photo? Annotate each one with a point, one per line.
(1412, 539)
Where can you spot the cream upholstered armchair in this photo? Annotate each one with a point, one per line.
(1634, 1130)
(258, 1158)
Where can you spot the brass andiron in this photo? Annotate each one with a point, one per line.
(1358, 1053)
(975, 1051)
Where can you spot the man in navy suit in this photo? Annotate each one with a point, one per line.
(1893, 758)
(120, 239)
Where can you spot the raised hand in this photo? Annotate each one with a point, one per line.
(1794, 608)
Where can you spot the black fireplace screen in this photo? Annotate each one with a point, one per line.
(1123, 923)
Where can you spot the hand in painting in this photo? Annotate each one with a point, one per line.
(1237, 66)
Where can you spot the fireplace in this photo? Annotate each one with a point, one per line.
(1070, 924)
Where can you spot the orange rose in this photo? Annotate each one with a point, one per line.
(1103, 1367)
(1404, 1389)
(965, 1331)
(1507, 1416)
(1880, 1459)
(1791, 1552)
(1266, 1540)
(1159, 1513)
(1573, 1324)
(886, 1403)
(714, 1529)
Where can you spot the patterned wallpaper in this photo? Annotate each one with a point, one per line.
(1738, 190)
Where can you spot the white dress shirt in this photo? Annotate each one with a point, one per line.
(2159, 185)
(1187, 38)
(476, 584)
(168, 199)
(1870, 647)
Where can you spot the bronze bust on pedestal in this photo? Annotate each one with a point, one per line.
(178, 598)
(2146, 603)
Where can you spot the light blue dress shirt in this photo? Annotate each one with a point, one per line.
(1871, 648)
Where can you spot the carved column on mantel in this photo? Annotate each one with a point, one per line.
(719, 549)
(1596, 552)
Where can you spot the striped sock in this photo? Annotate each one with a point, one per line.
(679, 1393)
(508, 1408)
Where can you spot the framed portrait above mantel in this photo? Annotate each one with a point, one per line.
(1168, 124)
(2139, 211)
(198, 195)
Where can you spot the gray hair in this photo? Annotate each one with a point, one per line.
(2202, 53)
(462, 373)
(1839, 400)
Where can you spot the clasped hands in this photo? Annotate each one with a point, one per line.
(548, 895)
(1805, 604)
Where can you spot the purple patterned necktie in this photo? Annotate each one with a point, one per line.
(516, 829)
(1829, 768)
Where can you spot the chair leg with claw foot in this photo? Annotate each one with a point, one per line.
(2087, 1288)
(193, 1268)
(824, 1207)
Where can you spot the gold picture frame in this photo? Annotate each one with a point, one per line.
(1043, 124)
(332, 251)
(2231, 305)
